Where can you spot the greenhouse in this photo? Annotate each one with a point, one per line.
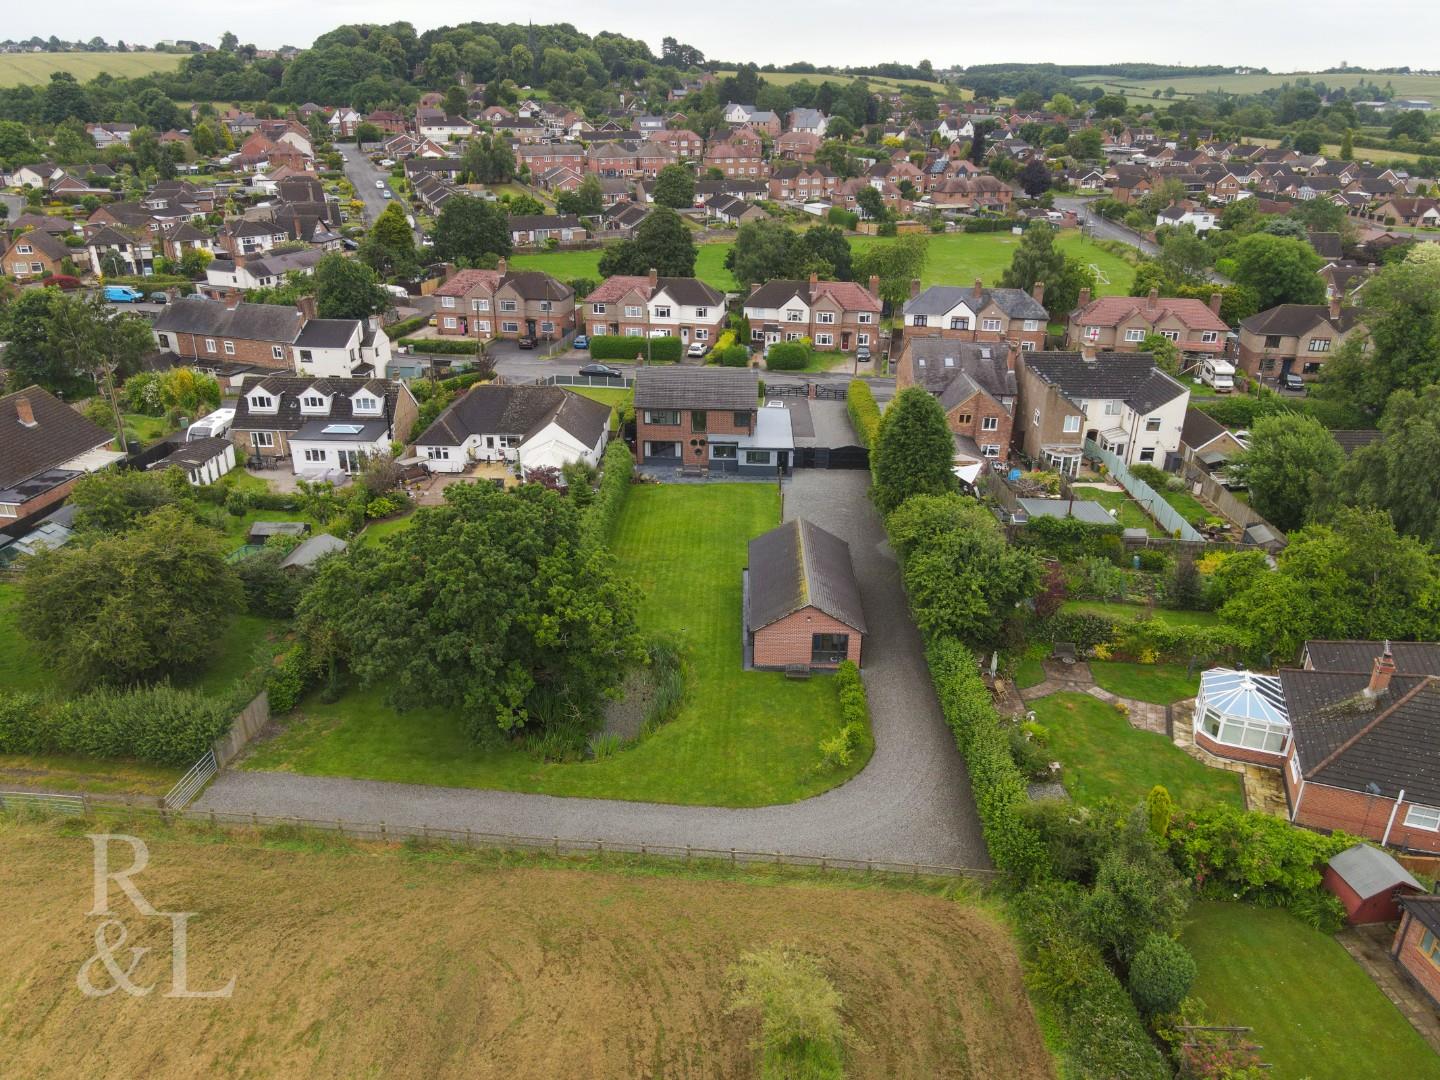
(1240, 710)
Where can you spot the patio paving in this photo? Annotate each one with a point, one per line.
(1370, 946)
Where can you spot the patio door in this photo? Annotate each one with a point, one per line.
(349, 460)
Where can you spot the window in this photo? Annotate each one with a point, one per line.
(312, 401)
(1209, 337)
(1134, 335)
(1268, 364)
(547, 327)
(1072, 425)
(825, 318)
(1319, 344)
(862, 339)
(447, 301)
(483, 326)
(262, 439)
(229, 348)
(1031, 325)
(702, 313)
(1147, 454)
(1430, 946)
(989, 423)
(438, 453)
(314, 456)
(1294, 768)
(366, 404)
(25, 249)
(209, 344)
(1027, 346)
(509, 328)
(1035, 418)
(510, 442)
(742, 419)
(701, 334)
(865, 318)
(450, 323)
(662, 416)
(1152, 423)
(964, 418)
(1272, 341)
(662, 311)
(990, 450)
(757, 457)
(697, 421)
(829, 648)
(824, 339)
(1247, 734)
(958, 322)
(634, 312)
(990, 325)
(634, 331)
(1092, 333)
(1422, 817)
(507, 305)
(1170, 335)
(164, 340)
(791, 315)
(723, 451)
(261, 401)
(1112, 408)
(277, 352)
(481, 305)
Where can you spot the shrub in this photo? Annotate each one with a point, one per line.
(618, 347)
(288, 681)
(788, 356)
(801, 1029)
(383, 506)
(604, 511)
(1085, 630)
(440, 346)
(1153, 560)
(864, 413)
(1098, 579)
(1161, 975)
(270, 590)
(398, 330)
(731, 356)
(1158, 479)
(1070, 538)
(839, 749)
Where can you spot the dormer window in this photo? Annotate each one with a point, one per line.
(312, 403)
(262, 402)
(364, 403)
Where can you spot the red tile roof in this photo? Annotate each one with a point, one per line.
(466, 280)
(1113, 310)
(850, 295)
(616, 286)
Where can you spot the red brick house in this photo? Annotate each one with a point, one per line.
(633, 306)
(45, 447)
(802, 183)
(1416, 949)
(33, 254)
(736, 157)
(970, 192)
(797, 146)
(802, 602)
(1121, 323)
(211, 332)
(504, 303)
(709, 420)
(840, 315)
(974, 384)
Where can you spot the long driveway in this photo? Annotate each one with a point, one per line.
(912, 803)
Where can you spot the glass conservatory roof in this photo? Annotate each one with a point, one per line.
(1243, 694)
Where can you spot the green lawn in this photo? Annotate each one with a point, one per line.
(377, 531)
(146, 429)
(1314, 1011)
(1105, 758)
(20, 667)
(61, 772)
(741, 739)
(1030, 672)
(1129, 513)
(1162, 684)
(613, 396)
(1134, 611)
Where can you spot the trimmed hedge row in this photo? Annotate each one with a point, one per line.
(731, 356)
(439, 345)
(788, 356)
(618, 347)
(1169, 641)
(158, 724)
(864, 413)
(604, 511)
(1000, 790)
(405, 327)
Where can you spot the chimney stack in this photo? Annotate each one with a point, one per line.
(449, 270)
(1087, 352)
(814, 278)
(874, 284)
(1215, 303)
(233, 299)
(1038, 292)
(979, 289)
(1154, 297)
(24, 412)
(1380, 674)
(655, 277)
(914, 288)
(1335, 306)
(503, 265)
(306, 304)
(1084, 300)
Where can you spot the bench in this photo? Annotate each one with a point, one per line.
(1064, 651)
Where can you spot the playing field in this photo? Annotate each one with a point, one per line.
(376, 962)
(16, 69)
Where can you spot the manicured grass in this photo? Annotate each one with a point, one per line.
(613, 396)
(1119, 610)
(18, 69)
(1128, 513)
(1030, 672)
(235, 652)
(1105, 758)
(741, 738)
(146, 429)
(20, 667)
(377, 531)
(710, 267)
(1314, 1010)
(1158, 683)
(564, 265)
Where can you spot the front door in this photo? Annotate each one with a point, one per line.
(529, 327)
(685, 334)
(349, 461)
(845, 340)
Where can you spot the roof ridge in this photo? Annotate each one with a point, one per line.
(1329, 759)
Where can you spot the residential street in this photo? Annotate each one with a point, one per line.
(362, 173)
(912, 803)
(1098, 227)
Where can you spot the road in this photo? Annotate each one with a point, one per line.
(363, 174)
(911, 803)
(16, 205)
(1102, 229)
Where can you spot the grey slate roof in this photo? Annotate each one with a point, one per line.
(287, 390)
(194, 453)
(938, 299)
(274, 265)
(696, 388)
(60, 433)
(45, 243)
(1292, 320)
(1411, 657)
(801, 565)
(1370, 871)
(327, 333)
(489, 409)
(949, 368)
(1200, 428)
(245, 322)
(1129, 377)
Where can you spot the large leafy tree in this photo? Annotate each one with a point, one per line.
(767, 250)
(1396, 473)
(661, 242)
(347, 289)
(493, 605)
(29, 357)
(389, 246)
(488, 160)
(675, 187)
(896, 263)
(116, 500)
(587, 200)
(914, 451)
(1038, 259)
(130, 607)
(1291, 459)
(1281, 270)
(471, 230)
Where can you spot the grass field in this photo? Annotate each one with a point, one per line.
(1105, 758)
(955, 259)
(790, 78)
(1135, 611)
(613, 396)
(1421, 86)
(1315, 1012)
(1162, 684)
(17, 69)
(397, 963)
(741, 739)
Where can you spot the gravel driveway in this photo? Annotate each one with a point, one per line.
(912, 803)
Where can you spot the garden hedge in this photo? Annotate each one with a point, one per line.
(732, 356)
(788, 356)
(864, 413)
(405, 327)
(665, 350)
(602, 514)
(440, 346)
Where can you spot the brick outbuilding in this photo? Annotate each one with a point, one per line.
(1370, 883)
(802, 602)
(1417, 943)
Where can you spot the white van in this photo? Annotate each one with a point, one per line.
(1219, 375)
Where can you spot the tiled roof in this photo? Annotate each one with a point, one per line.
(1129, 377)
(850, 295)
(800, 565)
(696, 388)
(287, 390)
(1411, 657)
(1114, 310)
(465, 280)
(245, 322)
(938, 364)
(59, 434)
(938, 299)
(516, 410)
(1292, 320)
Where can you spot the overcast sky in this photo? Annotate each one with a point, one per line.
(1281, 37)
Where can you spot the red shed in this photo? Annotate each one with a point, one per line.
(1369, 883)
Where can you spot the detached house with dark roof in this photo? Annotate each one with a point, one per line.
(1122, 402)
(632, 306)
(1295, 339)
(802, 601)
(709, 420)
(977, 314)
(45, 446)
(973, 383)
(531, 426)
(322, 425)
(33, 254)
(841, 315)
(504, 303)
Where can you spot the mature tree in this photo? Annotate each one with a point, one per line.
(29, 357)
(1347, 146)
(961, 576)
(1400, 309)
(661, 243)
(116, 500)
(347, 289)
(1061, 105)
(456, 101)
(896, 263)
(1281, 270)
(470, 230)
(389, 247)
(826, 250)
(140, 605)
(1395, 473)
(1035, 178)
(204, 140)
(16, 146)
(1165, 352)
(675, 187)
(523, 204)
(488, 160)
(1111, 105)
(871, 204)
(1086, 145)
(1184, 258)
(587, 200)
(914, 451)
(367, 133)
(1290, 459)
(535, 623)
(1037, 259)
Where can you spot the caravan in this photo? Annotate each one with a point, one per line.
(1218, 375)
(213, 426)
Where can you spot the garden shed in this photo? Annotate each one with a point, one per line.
(802, 602)
(1241, 715)
(1369, 882)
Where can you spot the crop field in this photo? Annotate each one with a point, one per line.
(1420, 86)
(354, 960)
(17, 69)
(789, 78)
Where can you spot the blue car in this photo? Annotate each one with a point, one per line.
(581, 342)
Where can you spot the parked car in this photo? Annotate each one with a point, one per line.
(580, 342)
(65, 282)
(1292, 381)
(386, 194)
(159, 298)
(122, 294)
(600, 369)
(697, 348)
(380, 183)
(862, 354)
(527, 342)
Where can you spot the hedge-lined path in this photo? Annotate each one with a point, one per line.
(911, 803)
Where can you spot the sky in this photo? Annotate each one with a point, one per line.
(840, 33)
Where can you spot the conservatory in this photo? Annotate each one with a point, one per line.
(1241, 715)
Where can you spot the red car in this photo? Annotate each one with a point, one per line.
(61, 281)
